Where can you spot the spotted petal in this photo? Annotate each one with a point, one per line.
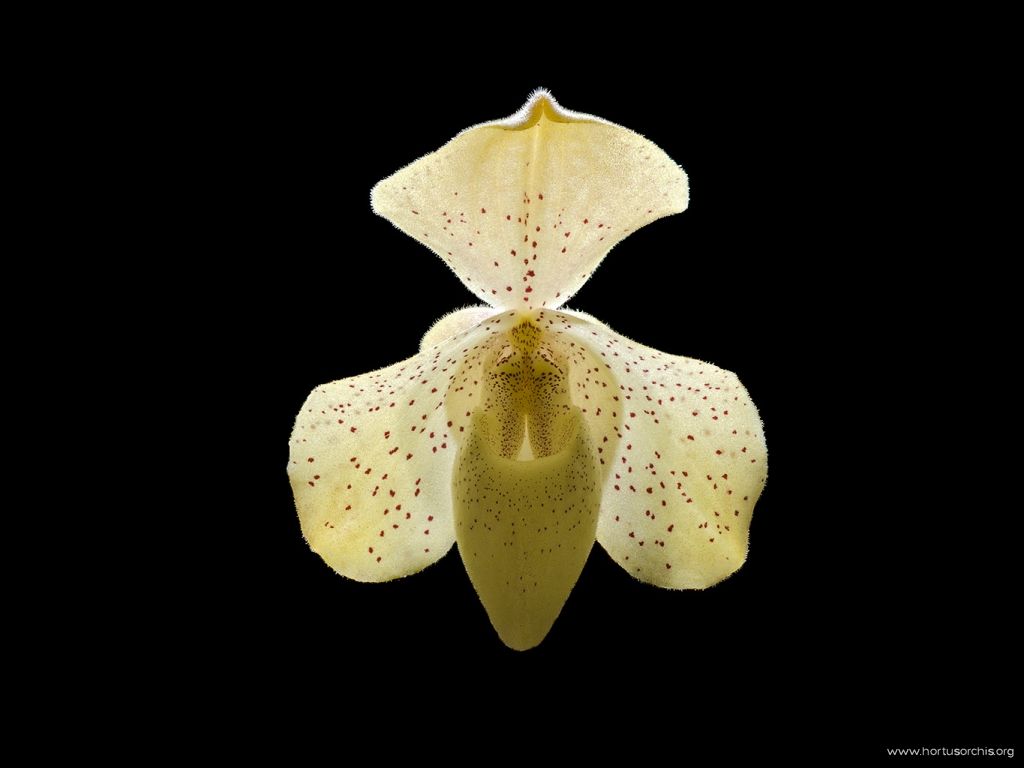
(524, 209)
(371, 458)
(688, 461)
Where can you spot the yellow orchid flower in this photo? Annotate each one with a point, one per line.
(521, 431)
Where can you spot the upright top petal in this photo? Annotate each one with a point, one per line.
(524, 209)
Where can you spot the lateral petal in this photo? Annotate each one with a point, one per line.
(688, 466)
(371, 459)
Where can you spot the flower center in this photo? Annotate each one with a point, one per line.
(526, 404)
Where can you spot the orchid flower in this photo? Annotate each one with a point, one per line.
(521, 431)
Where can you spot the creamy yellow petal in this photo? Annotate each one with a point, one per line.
(371, 459)
(524, 209)
(688, 460)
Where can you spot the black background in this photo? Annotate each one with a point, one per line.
(872, 609)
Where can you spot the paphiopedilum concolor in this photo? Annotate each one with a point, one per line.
(522, 431)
